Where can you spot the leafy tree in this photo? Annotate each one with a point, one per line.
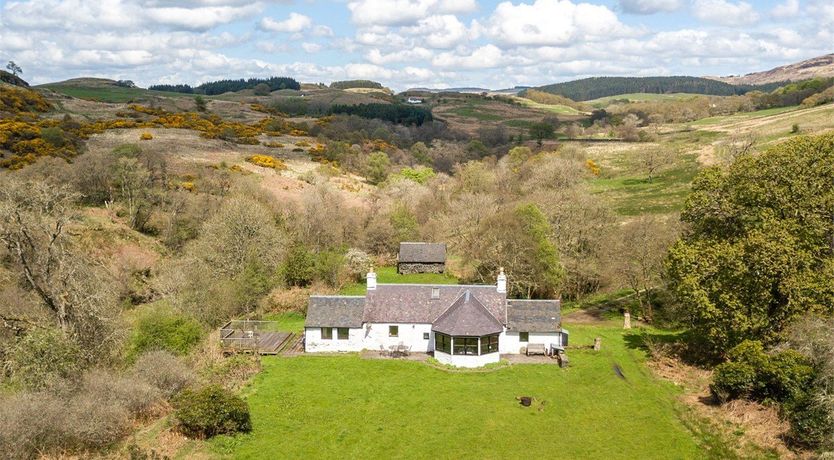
(201, 103)
(261, 89)
(540, 131)
(758, 251)
(14, 68)
(378, 165)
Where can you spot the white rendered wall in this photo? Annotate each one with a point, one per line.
(509, 343)
(314, 343)
(376, 334)
(467, 360)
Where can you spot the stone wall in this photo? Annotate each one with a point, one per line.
(408, 268)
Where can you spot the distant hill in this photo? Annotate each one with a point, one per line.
(821, 66)
(597, 87)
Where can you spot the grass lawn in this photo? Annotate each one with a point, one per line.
(287, 322)
(386, 275)
(348, 407)
(640, 97)
(742, 116)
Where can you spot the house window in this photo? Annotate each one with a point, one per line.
(342, 333)
(466, 345)
(393, 331)
(442, 342)
(426, 335)
(326, 333)
(435, 293)
(489, 344)
(524, 337)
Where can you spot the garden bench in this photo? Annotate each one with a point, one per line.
(536, 349)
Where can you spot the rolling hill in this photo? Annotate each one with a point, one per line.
(598, 87)
(821, 66)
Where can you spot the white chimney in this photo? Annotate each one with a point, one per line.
(371, 280)
(502, 282)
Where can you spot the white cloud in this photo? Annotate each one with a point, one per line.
(650, 6)
(788, 9)
(442, 31)
(725, 13)
(399, 12)
(555, 23)
(375, 56)
(311, 47)
(293, 24)
(485, 57)
(322, 31)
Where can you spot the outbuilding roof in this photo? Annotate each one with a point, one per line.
(534, 315)
(424, 253)
(467, 316)
(335, 311)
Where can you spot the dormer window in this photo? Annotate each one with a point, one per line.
(435, 293)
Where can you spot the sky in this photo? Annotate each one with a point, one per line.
(408, 43)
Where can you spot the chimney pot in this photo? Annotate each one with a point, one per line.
(371, 278)
(502, 282)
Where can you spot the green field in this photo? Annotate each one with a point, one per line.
(112, 94)
(389, 275)
(349, 407)
(742, 116)
(640, 97)
(554, 108)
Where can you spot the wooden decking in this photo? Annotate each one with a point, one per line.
(235, 340)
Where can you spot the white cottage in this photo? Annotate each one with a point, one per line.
(462, 325)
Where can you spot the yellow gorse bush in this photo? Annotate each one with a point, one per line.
(266, 161)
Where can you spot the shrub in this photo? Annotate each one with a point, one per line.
(137, 397)
(146, 136)
(786, 376)
(810, 421)
(161, 329)
(357, 264)
(266, 161)
(44, 357)
(168, 373)
(210, 411)
(733, 380)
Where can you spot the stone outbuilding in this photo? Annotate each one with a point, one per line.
(421, 258)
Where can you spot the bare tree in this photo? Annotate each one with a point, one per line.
(637, 253)
(654, 160)
(34, 216)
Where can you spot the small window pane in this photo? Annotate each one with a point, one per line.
(343, 333)
(442, 342)
(426, 335)
(326, 333)
(523, 336)
(393, 331)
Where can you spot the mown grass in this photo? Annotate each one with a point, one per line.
(287, 322)
(349, 407)
(111, 94)
(390, 275)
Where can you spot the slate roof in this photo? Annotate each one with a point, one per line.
(534, 315)
(424, 253)
(335, 311)
(467, 316)
(413, 303)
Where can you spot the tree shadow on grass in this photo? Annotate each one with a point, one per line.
(684, 345)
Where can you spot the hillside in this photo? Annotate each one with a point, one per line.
(598, 87)
(821, 66)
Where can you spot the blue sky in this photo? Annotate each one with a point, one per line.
(408, 43)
